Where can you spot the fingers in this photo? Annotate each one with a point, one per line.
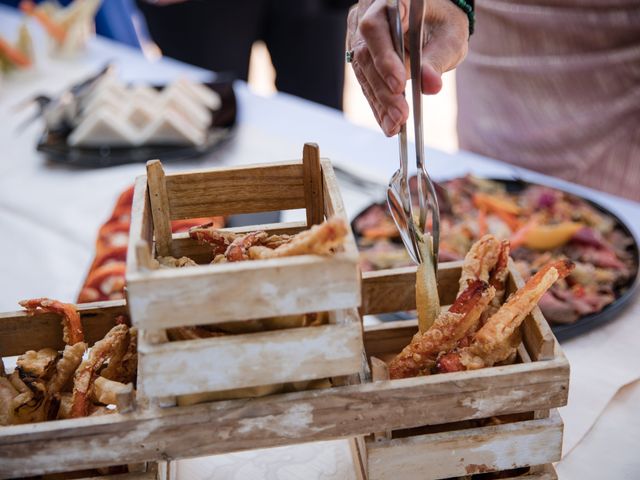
(447, 33)
(391, 109)
(375, 30)
(378, 68)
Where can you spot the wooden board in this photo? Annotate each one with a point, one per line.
(235, 190)
(20, 332)
(466, 452)
(211, 294)
(286, 419)
(248, 360)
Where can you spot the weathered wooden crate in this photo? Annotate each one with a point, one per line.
(236, 291)
(530, 439)
(20, 332)
(155, 434)
(242, 291)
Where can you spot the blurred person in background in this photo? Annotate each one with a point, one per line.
(305, 39)
(549, 85)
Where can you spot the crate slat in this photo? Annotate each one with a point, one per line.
(232, 191)
(469, 451)
(239, 361)
(243, 290)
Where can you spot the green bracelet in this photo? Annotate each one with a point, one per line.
(467, 7)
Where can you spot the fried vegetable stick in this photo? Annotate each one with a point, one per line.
(492, 343)
(427, 300)
(420, 355)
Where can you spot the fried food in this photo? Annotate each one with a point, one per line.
(66, 366)
(420, 355)
(7, 393)
(86, 373)
(38, 364)
(72, 332)
(320, 239)
(493, 342)
(427, 299)
(498, 279)
(106, 391)
(172, 262)
(479, 261)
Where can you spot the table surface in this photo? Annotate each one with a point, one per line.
(49, 216)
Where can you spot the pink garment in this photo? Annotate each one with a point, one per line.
(554, 86)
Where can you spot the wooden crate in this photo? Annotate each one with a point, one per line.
(208, 294)
(153, 434)
(20, 332)
(240, 291)
(530, 439)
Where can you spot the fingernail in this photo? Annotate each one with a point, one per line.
(395, 115)
(388, 124)
(393, 83)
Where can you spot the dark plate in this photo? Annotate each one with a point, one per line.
(625, 293)
(54, 145)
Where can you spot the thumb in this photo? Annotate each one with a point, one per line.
(444, 50)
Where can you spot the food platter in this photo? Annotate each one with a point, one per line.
(54, 144)
(623, 292)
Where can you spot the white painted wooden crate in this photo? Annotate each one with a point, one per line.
(452, 442)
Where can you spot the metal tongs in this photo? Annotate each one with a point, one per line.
(416, 238)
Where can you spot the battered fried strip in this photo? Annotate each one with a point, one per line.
(115, 361)
(239, 248)
(172, 262)
(492, 343)
(106, 391)
(72, 332)
(66, 366)
(479, 261)
(320, 240)
(498, 279)
(420, 355)
(219, 240)
(89, 368)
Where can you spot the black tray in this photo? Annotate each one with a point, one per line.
(54, 145)
(625, 293)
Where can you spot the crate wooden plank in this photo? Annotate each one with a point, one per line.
(20, 332)
(239, 361)
(141, 227)
(393, 290)
(468, 451)
(333, 204)
(313, 191)
(160, 209)
(230, 191)
(286, 419)
(243, 290)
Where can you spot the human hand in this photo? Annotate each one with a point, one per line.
(379, 70)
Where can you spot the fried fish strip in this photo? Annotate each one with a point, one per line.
(479, 261)
(420, 355)
(172, 262)
(493, 342)
(72, 332)
(89, 368)
(319, 240)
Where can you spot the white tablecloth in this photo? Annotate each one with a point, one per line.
(49, 216)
